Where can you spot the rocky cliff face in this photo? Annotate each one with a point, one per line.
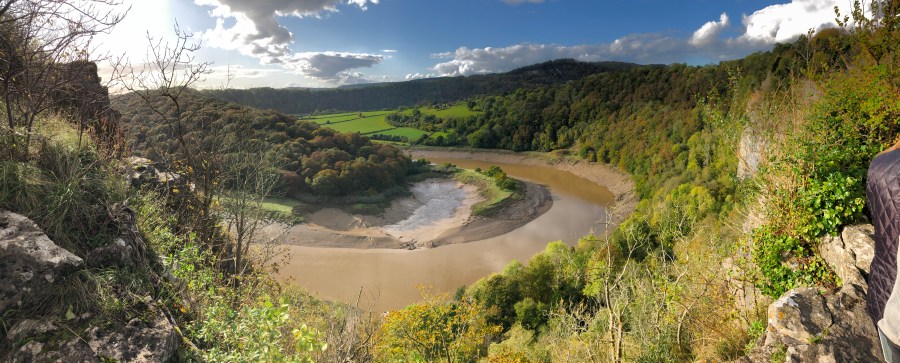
(33, 267)
(810, 325)
(751, 153)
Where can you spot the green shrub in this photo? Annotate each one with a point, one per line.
(256, 333)
(530, 314)
(230, 322)
(493, 171)
(831, 203)
(786, 262)
(757, 329)
(819, 179)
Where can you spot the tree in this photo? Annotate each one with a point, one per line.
(481, 139)
(168, 73)
(433, 331)
(39, 39)
(249, 176)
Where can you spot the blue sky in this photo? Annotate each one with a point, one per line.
(327, 43)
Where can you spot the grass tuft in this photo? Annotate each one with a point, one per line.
(66, 192)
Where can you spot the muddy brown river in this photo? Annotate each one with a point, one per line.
(391, 279)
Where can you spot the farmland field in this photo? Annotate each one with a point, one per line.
(363, 126)
(373, 122)
(366, 123)
(458, 110)
(361, 122)
(332, 116)
(409, 132)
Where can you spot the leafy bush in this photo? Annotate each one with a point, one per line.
(256, 333)
(500, 178)
(530, 314)
(249, 320)
(434, 331)
(757, 329)
(819, 180)
(830, 203)
(786, 262)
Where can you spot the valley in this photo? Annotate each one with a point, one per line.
(391, 278)
(376, 181)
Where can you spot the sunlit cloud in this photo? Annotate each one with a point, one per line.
(710, 31)
(760, 30)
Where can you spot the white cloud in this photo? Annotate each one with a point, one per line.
(784, 22)
(412, 76)
(333, 67)
(256, 22)
(389, 51)
(762, 29)
(710, 31)
(637, 48)
(238, 71)
(256, 30)
(253, 29)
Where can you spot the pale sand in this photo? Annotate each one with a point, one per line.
(335, 228)
(409, 223)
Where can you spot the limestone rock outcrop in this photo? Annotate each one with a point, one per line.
(152, 339)
(809, 325)
(751, 153)
(29, 261)
(31, 265)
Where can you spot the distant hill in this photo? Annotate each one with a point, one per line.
(392, 95)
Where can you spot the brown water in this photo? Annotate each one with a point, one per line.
(391, 278)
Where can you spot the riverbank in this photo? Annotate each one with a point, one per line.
(618, 182)
(438, 213)
(390, 275)
(399, 227)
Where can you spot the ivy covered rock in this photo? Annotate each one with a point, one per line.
(807, 324)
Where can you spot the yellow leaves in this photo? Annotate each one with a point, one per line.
(432, 329)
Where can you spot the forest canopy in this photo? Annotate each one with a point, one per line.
(315, 159)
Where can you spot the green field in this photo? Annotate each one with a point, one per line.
(458, 110)
(373, 122)
(361, 122)
(366, 123)
(408, 132)
(280, 204)
(345, 117)
(331, 116)
(363, 126)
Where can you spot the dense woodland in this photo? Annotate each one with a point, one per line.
(654, 290)
(423, 91)
(317, 159)
(659, 288)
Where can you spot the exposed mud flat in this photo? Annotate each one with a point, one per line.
(438, 213)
